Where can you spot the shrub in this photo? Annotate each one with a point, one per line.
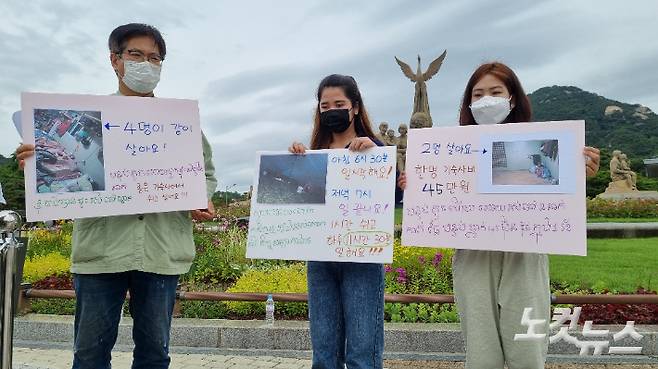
(41, 267)
(633, 208)
(598, 183)
(53, 306)
(646, 184)
(421, 312)
(54, 282)
(420, 270)
(203, 309)
(621, 313)
(45, 241)
(220, 256)
(290, 279)
(233, 212)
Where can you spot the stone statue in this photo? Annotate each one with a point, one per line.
(624, 181)
(623, 161)
(383, 128)
(420, 120)
(390, 139)
(421, 102)
(402, 146)
(623, 178)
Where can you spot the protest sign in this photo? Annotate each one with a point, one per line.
(325, 205)
(111, 155)
(508, 187)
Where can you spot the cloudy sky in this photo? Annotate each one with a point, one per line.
(254, 65)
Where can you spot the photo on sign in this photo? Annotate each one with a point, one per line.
(525, 163)
(292, 179)
(68, 150)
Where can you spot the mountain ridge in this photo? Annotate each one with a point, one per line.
(609, 124)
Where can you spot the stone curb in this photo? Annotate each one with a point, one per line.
(294, 335)
(622, 230)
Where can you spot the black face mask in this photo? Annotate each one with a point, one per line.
(335, 120)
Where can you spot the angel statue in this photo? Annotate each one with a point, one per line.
(421, 103)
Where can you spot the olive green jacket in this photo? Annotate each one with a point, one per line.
(160, 243)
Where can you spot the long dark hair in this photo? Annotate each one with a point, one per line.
(522, 111)
(321, 138)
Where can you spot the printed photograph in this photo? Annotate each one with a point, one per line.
(532, 162)
(69, 150)
(292, 179)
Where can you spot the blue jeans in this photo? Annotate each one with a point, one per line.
(346, 311)
(99, 301)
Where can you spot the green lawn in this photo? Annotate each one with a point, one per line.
(398, 215)
(615, 264)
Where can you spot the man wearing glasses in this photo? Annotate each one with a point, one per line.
(136, 53)
(142, 254)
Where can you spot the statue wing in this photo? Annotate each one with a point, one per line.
(406, 69)
(434, 66)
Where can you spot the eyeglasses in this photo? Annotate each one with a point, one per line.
(139, 56)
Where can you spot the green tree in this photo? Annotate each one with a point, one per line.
(220, 198)
(13, 184)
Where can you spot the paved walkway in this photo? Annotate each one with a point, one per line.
(441, 365)
(56, 358)
(30, 358)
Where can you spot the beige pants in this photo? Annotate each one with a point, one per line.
(491, 290)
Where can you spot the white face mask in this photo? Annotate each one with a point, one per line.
(491, 109)
(141, 77)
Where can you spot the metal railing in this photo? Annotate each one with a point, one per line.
(12, 256)
(399, 298)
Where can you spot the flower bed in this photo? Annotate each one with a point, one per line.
(632, 208)
(221, 265)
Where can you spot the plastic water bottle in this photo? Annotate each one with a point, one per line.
(269, 310)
